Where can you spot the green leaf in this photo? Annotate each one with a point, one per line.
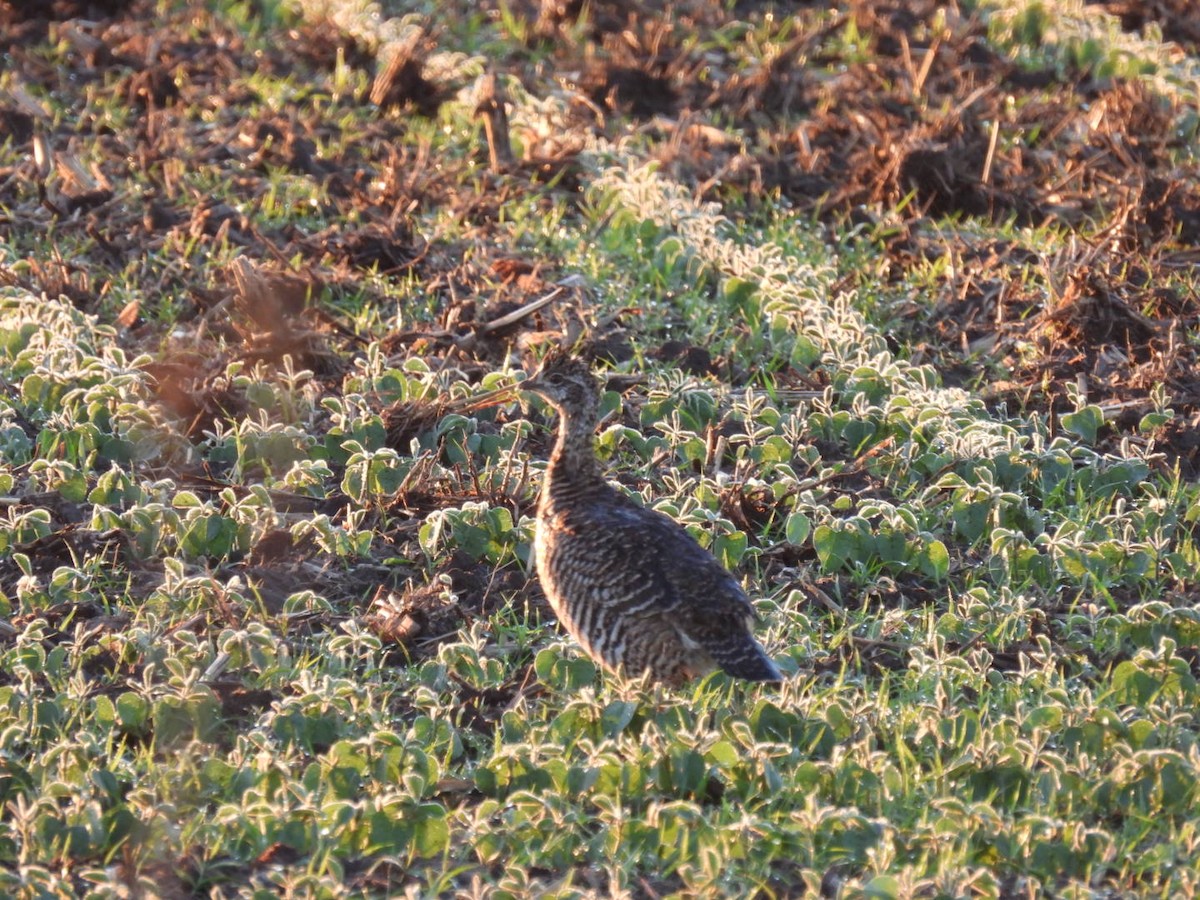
(544, 662)
(892, 546)
(775, 449)
(617, 716)
(839, 721)
(882, 887)
(1084, 423)
(73, 488)
(834, 547)
(1048, 717)
(354, 481)
(669, 256)
(971, 518)
(211, 536)
(736, 291)
(797, 528)
(1153, 421)
(470, 538)
(858, 433)
(724, 753)
(934, 560)
(431, 831)
(385, 479)
(133, 710)
(730, 548)
(104, 711)
(344, 781)
(1132, 685)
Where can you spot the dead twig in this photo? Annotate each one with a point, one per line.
(491, 108)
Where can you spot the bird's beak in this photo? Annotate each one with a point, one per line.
(491, 398)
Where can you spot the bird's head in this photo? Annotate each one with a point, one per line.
(566, 383)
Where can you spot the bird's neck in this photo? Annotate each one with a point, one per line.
(573, 468)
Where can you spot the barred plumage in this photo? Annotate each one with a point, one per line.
(631, 585)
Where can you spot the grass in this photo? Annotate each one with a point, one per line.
(267, 619)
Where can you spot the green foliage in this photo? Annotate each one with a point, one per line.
(987, 620)
(479, 531)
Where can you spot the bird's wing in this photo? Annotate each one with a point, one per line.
(654, 573)
(686, 580)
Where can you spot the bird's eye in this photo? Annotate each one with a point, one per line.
(555, 378)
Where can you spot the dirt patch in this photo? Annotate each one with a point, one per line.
(1176, 19)
(429, 612)
(872, 106)
(29, 19)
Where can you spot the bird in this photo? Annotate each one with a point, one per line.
(629, 584)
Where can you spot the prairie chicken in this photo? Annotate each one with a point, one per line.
(629, 584)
